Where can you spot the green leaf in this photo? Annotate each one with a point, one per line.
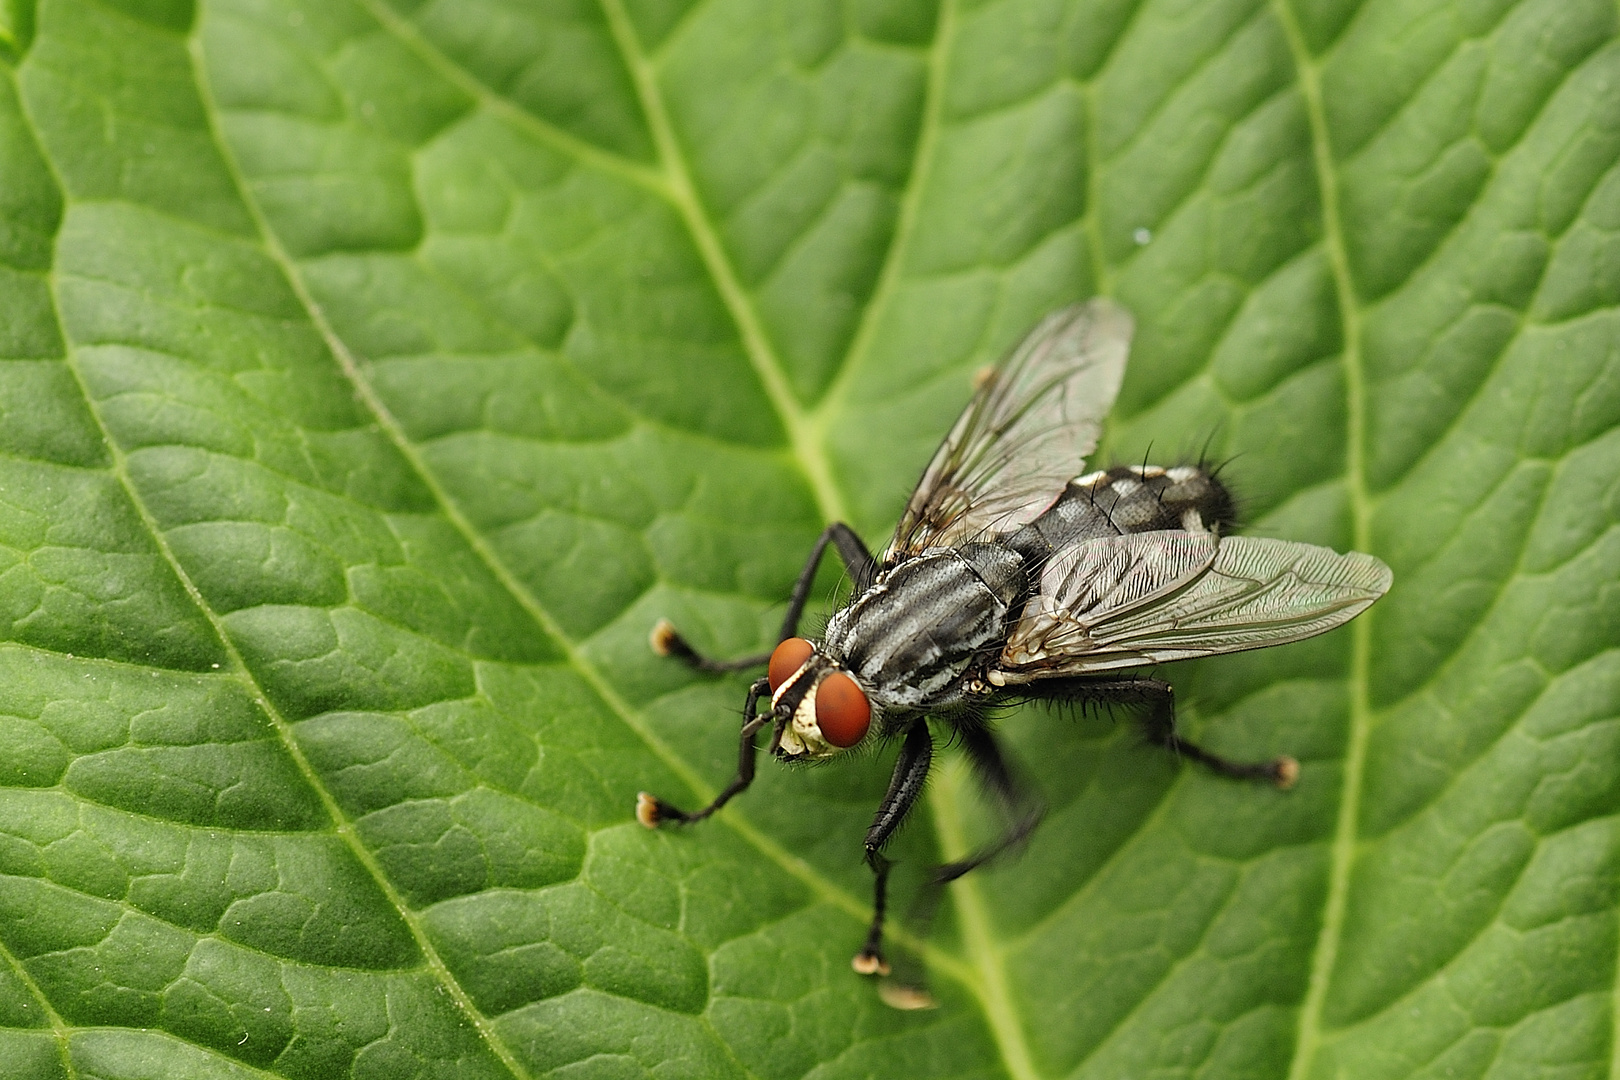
(377, 372)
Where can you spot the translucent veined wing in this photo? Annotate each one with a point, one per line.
(1147, 598)
(1025, 434)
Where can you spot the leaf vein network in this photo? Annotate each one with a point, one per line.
(347, 362)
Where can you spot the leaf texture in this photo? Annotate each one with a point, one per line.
(377, 372)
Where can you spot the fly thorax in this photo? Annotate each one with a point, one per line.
(918, 628)
(1000, 568)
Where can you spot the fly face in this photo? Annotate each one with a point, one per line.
(1014, 574)
(820, 709)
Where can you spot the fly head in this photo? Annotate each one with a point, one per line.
(818, 707)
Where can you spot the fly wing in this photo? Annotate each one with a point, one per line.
(1148, 598)
(1025, 434)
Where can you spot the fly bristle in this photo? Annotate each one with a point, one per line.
(1228, 515)
(1188, 497)
(1231, 516)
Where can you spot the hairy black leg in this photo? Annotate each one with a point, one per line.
(910, 772)
(870, 960)
(856, 559)
(651, 810)
(1160, 723)
(667, 641)
(1022, 811)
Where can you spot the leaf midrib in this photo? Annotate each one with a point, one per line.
(803, 433)
(978, 941)
(983, 975)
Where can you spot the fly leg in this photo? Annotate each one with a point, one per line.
(910, 771)
(651, 810)
(1023, 812)
(1160, 725)
(666, 641)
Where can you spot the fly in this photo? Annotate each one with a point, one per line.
(1010, 578)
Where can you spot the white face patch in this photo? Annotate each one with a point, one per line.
(1191, 521)
(1182, 473)
(803, 735)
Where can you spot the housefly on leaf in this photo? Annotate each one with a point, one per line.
(1013, 577)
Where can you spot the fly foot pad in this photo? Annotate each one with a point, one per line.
(652, 811)
(867, 962)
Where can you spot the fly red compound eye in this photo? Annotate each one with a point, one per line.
(842, 712)
(788, 658)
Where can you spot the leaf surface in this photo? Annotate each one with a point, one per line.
(377, 373)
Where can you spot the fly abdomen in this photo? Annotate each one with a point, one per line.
(1127, 499)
